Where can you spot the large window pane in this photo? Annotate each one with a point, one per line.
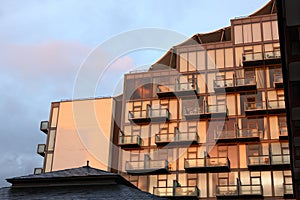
(275, 30)
(267, 31)
(201, 60)
(247, 33)
(238, 34)
(211, 63)
(183, 62)
(229, 57)
(256, 30)
(192, 61)
(220, 58)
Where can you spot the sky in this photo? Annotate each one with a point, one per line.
(44, 43)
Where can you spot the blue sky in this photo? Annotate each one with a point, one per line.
(43, 44)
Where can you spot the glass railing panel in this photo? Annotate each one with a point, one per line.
(278, 78)
(250, 190)
(159, 113)
(276, 104)
(288, 188)
(283, 131)
(194, 162)
(255, 105)
(259, 160)
(193, 110)
(213, 162)
(186, 191)
(225, 134)
(272, 54)
(138, 114)
(164, 137)
(186, 136)
(165, 88)
(280, 159)
(227, 190)
(41, 148)
(223, 83)
(44, 125)
(217, 109)
(135, 165)
(249, 133)
(156, 164)
(130, 139)
(163, 191)
(245, 81)
(252, 56)
(186, 86)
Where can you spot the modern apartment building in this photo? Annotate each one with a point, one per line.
(208, 120)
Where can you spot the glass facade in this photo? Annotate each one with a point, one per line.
(221, 130)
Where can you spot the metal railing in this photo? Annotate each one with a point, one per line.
(252, 56)
(177, 191)
(130, 139)
(250, 190)
(177, 87)
(258, 105)
(283, 159)
(239, 190)
(261, 56)
(225, 134)
(276, 104)
(222, 108)
(272, 54)
(223, 83)
(227, 190)
(146, 165)
(164, 137)
(249, 133)
(151, 113)
(206, 162)
(258, 160)
(245, 81)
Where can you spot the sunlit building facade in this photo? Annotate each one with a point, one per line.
(208, 120)
(78, 131)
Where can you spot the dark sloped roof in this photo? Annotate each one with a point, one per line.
(101, 192)
(75, 172)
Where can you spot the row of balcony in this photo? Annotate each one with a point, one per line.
(208, 164)
(188, 138)
(260, 58)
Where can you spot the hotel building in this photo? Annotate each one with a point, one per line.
(206, 121)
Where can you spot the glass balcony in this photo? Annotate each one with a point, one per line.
(44, 126)
(288, 190)
(250, 190)
(259, 162)
(175, 138)
(38, 171)
(181, 191)
(225, 85)
(179, 89)
(278, 81)
(227, 190)
(225, 136)
(280, 161)
(255, 59)
(147, 167)
(130, 141)
(283, 133)
(212, 164)
(146, 116)
(258, 107)
(247, 135)
(244, 84)
(276, 106)
(190, 137)
(41, 149)
(164, 138)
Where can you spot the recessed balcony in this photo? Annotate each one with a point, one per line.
(224, 85)
(281, 161)
(190, 192)
(41, 149)
(44, 126)
(149, 115)
(177, 90)
(130, 141)
(207, 164)
(182, 138)
(249, 135)
(239, 191)
(256, 59)
(147, 167)
(245, 84)
(278, 81)
(283, 133)
(288, 190)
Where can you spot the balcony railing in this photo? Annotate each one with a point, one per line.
(147, 167)
(206, 111)
(178, 89)
(261, 162)
(233, 191)
(258, 161)
(249, 134)
(210, 164)
(144, 116)
(44, 126)
(283, 133)
(41, 149)
(235, 84)
(263, 107)
(225, 136)
(130, 141)
(278, 81)
(253, 59)
(288, 189)
(181, 191)
(283, 159)
(180, 137)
